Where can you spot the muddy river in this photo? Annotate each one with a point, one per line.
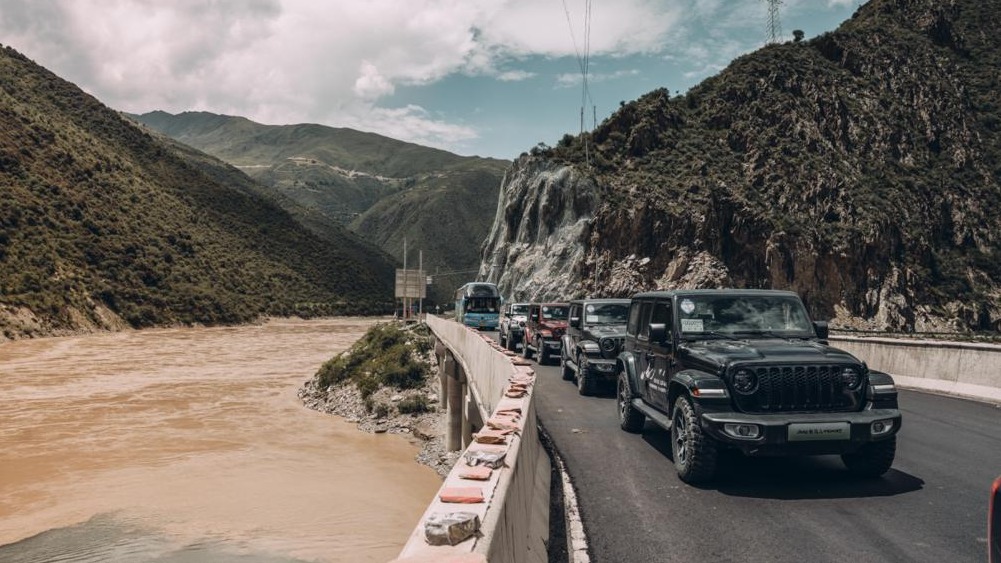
(190, 446)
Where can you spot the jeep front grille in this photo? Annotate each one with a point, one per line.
(798, 388)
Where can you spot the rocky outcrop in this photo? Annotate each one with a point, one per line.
(859, 169)
(537, 245)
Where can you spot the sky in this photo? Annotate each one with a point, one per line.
(475, 77)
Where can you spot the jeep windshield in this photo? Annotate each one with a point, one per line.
(747, 316)
(555, 312)
(606, 313)
(519, 310)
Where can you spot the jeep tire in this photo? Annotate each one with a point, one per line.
(873, 459)
(630, 419)
(694, 452)
(525, 351)
(585, 383)
(565, 370)
(511, 344)
(540, 346)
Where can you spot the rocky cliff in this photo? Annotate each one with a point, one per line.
(861, 169)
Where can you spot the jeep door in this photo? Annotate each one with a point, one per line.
(573, 330)
(531, 324)
(661, 354)
(643, 351)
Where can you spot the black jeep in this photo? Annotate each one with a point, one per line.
(593, 339)
(747, 369)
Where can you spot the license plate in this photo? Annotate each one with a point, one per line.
(815, 431)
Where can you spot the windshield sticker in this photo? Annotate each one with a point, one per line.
(545, 309)
(691, 325)
(590, 308)
(688, 306)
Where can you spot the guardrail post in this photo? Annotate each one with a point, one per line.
(467, 423)
(453, 429)
(440, 353)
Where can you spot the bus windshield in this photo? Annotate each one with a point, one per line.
(481, 305)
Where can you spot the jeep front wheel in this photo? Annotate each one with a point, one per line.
(525, 352)
(511, 344)
(872, 460)
(694, 453)
(585, 383)
(540, 345)
(630, 419)
(566, 372)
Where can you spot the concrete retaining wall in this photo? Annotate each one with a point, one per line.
(515, 517)
(956, 368)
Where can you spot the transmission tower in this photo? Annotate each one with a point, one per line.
(774, 23)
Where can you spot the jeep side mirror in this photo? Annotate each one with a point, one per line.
(658, 333)
(822, 329)
(994, 524)
(575, 322)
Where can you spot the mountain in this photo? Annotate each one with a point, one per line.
(103, 225)
(861, 168)
(383, 189)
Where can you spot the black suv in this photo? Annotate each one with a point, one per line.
(747, 369)
(593, 339)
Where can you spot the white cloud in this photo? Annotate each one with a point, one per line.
(372, 85)
(338, 62)
(286, 61)
(515, 75)
(571, 79)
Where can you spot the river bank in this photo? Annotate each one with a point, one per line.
(426, 429)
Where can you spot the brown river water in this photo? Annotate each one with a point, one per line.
(190, 446)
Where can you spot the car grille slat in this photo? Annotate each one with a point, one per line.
(792, 388)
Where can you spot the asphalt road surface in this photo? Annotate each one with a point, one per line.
(932, 506)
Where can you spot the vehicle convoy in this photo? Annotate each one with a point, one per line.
(594, 337)
(477, 304)
(510, 330)
(544, 327)
(747, 369)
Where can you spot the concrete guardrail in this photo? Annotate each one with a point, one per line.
(514, 516)
(970, 370)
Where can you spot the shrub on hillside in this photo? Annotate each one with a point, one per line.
(386, 356)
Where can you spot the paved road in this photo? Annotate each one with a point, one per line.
(932, 506)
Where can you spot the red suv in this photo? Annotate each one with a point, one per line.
(545, 326)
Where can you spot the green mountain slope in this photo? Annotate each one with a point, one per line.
(861, 168)
(100, 223)
(383, 189)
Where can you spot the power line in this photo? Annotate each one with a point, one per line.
(584, 62)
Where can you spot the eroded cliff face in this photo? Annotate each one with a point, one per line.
(861, 169)
(538, 242)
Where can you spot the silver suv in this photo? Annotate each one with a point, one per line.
(511, 328)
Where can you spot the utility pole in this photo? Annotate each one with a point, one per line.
(774, 33)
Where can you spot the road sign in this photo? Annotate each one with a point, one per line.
(409, 284)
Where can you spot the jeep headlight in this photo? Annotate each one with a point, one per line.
(851, 377)
(745, 381)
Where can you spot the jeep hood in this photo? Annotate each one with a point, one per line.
(603, 331)
(726, 352)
